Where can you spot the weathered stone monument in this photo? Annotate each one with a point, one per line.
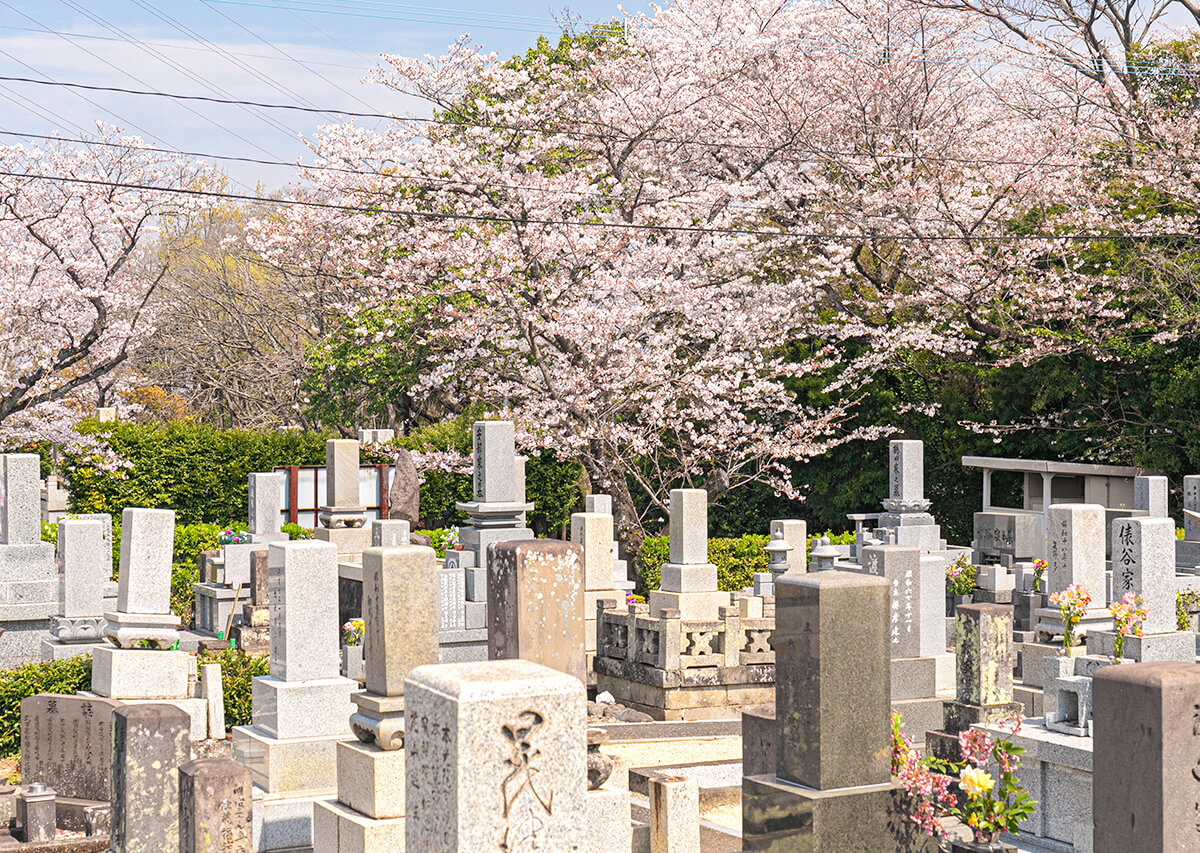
(149, 743)
(84, 572)
(535, 604)
(832, 788)
(302, 709)
(497, 513)
(66, 743)
(401, 633)
(253, 632)
(215, 814)
(28, 575)
(984, 651)
(689, 580)
(1145, 785)
(496, 758)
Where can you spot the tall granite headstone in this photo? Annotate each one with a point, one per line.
(1145, 782)
(535, 604)
(832, 787)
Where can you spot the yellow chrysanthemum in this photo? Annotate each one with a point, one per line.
(975, 782)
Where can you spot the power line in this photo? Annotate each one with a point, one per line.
(520, 128)
(619, 226)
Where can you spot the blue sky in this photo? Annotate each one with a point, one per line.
(276, 51)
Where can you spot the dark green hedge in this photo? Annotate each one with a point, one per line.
(237, 671)
(60, 676)
(737, 560)
(197, 470)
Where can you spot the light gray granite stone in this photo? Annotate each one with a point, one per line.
(147, 541)
(265, 502)
(496, 758)
(1143, 561)
(303, 591)
(20, 498)
(689, 526)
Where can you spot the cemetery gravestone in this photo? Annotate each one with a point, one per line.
(29, 586)
(689, 581)
(83, 574)
(149, 743)
(1145, 787)
(1150, 496)
(832, 788)
(535, 604)
(496, 758)
(214, 806)
(66, 742)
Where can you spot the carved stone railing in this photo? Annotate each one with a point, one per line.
(666, 642)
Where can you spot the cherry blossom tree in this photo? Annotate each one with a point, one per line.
(79, 273)
(674, 254)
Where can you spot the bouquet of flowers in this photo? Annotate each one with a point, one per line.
(1128, 616)
(1072, 603)
(352, 632)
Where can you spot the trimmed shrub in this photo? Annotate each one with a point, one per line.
(237, 671)
(737, 560)
(197, 470)
(60, 676)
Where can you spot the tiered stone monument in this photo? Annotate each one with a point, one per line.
(689, 581)
(1143, 560)
(535, 604)
(497, 513)
(140, 664)
(916, 633)
(253, 633)
(302, 709)
(28, 576)
(400, 616)
(1075, 555)
(495, 758)
(342, 519)
(593, 531)
(832, 788)
(906, 519)
(84, 572)
(984, 651)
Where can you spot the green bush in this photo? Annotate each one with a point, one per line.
(60, 676)
(737, 560)
(197, 470)
(295, 531)
(440, 539)
(237, 671)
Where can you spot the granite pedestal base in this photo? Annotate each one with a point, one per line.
(692, 606)
(54, 650)
(338, 827)
(1056, 770)
(349, 540)
(779, 817)
(703, 693)
(130, 629)
(299, 766)
(1050, 623)
(302, 709)
(1174, 646)
(283, 822)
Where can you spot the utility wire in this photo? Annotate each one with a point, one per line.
(618, 226)
(519, 128)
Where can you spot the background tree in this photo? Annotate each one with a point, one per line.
(82, 265)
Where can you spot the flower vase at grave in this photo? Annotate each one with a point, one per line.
(995, 846)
